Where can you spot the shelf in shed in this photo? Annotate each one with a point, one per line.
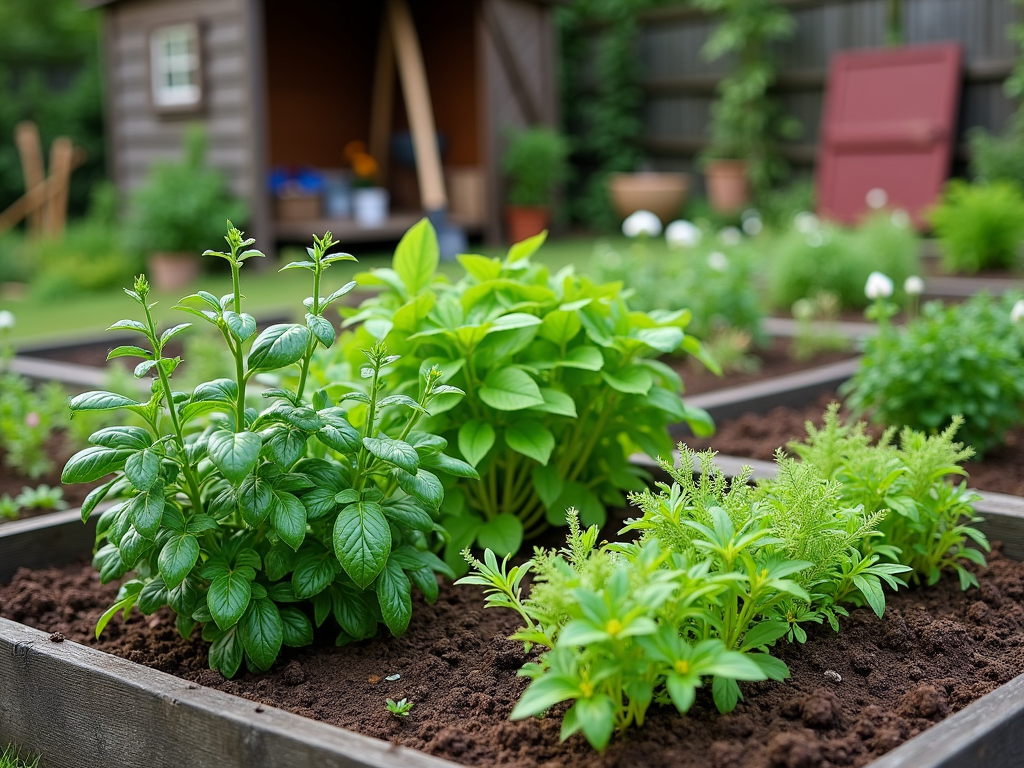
(346, 230)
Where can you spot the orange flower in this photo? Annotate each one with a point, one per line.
(365, 167)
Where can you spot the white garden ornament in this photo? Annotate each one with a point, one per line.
(1017, 313)
(913, 285)
(878, 286)
(683, 234)
(6, 319)
(641, 223)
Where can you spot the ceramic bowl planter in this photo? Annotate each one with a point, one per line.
(661, 193)
(171, 271)
(525, 221)
(728, 185)
(370, 206)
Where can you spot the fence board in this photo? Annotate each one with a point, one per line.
(680, 83)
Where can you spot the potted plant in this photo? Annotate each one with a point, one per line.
(747, 123)
(661, 193)
(179, 212)
(369, 201)
(535, 163)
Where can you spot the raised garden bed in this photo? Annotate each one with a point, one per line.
(934, 653)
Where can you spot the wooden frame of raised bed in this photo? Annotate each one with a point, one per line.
(83, 708)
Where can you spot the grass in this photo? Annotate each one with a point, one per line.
(267, 291)
(11, 758)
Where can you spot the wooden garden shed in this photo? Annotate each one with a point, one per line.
(284, 85)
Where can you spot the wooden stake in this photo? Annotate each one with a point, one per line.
(56, 208)
(26, 136)
(383, 98)
(413, 75)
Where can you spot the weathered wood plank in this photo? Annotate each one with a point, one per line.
(81, 708)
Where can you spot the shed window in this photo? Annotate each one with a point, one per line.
(174, 52)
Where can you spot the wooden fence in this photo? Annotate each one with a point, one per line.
(680, 84)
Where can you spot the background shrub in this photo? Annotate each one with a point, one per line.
(963, 359)
(838, 260)
(980, 226)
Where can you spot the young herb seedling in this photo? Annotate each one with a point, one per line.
(400, 708)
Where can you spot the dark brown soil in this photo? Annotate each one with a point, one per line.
(60, 450)
(851, 697)
(776, 360)
(756, 436)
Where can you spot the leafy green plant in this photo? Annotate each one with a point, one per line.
(747, 123)
(817, 326)
(980, 226)
(11, 757)
(965, 359)
(181, 206)
(29, 419)
(250, 522)
(561, 377)
(814, 256)
(42, 497)
(400, 708)
(535, 163)
(927, 521)
(617, 632)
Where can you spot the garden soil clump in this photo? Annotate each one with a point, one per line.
(756, 436)
(851, 697)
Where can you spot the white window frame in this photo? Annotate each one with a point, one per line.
(175, 72)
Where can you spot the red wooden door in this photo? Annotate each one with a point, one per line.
(889, 123)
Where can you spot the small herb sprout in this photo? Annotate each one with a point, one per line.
(42, 497)
(9, 508)
(400, 708)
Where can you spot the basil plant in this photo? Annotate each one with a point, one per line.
(562, 382)
(257, 524)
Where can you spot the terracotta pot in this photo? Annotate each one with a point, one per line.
(172, 271)
(526, 221)
(661, 193)
(728, 185)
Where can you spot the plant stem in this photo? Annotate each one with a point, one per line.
(308, 357)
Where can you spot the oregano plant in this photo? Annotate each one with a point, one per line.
(255, 524)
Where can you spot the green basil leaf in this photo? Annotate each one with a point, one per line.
(153, 597)
(177, 558)
(147, 510)
(288, 517)
(313, 574)
(394, 594)
(142, 469)
(226, 653)
(242, 326)
(395, 452)
(298, 629)
(318, 503)
(92, 463)
(452, 466)
(262, 633)
(423, 485)
(278, 346)
(228, 598)
(502, 534)
(475, 440)
(631, 380)
(321, 328)
(510, 389)
(133, 438)
(530, 438)
(255, 500)
(556, 402)
(416, 257)
(362, 541)
(234, 453)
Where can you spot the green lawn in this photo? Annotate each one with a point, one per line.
(11, 758)
(267, 292)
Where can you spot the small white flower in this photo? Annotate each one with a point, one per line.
(1017, 313)
(6, 319)
(753, 225)
(683, 234)
(878, 286)
(815, 239)
(806, 222)
(803, 309)
(913, 285)
(718, 261)
(900, 218)
(730, 236)
(641, 223)
(876, 198)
